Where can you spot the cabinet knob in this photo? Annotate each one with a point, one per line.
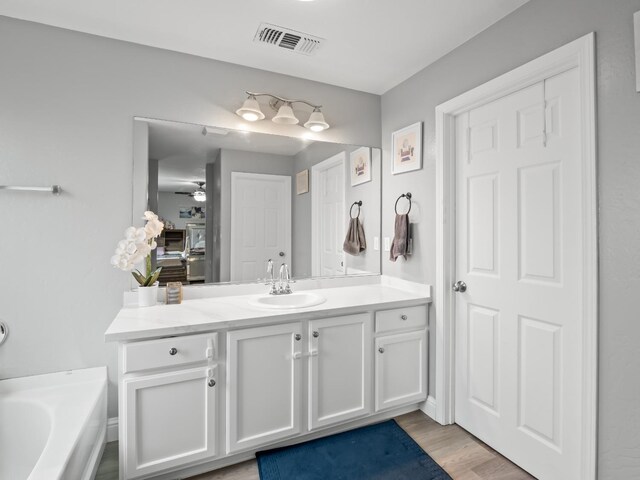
(381, 350)
(298, 337)
(316, 334)
(212, 383)
(403, 317)
(173, 351)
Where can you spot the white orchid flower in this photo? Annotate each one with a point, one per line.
(115, 260)
(149, 215)
(140, 235)
(137, 245)
(153, 228)
(130, 233)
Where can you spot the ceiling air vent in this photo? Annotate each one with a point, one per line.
(288, 39)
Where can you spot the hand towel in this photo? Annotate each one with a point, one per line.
(354, 242)
(400, 243)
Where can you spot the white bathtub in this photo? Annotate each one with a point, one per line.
(53, 427)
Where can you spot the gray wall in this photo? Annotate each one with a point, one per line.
(369, 193)
(67, 104)
(534, 29)
(247, 162)
(169, 208)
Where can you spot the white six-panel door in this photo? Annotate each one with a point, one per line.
(260, 223)
(519, 249)
(339, 369)
(328, 216)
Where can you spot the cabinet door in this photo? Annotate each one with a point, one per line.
(339, 369)
(263, 385)
(169, 420)
(401, 363)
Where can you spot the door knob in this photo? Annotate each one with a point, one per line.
(173, 351)
(281, 254)
(460, 287)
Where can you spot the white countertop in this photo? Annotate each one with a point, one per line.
(207, 314)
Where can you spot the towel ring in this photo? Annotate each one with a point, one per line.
(408, 197)
(359, 204)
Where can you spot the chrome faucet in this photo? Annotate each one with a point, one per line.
(284, 278)
(273, 290)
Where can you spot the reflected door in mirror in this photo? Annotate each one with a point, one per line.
(260, 223)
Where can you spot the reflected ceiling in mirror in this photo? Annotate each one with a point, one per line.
(233, 199)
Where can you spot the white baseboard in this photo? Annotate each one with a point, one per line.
(112, 429)
(429, 407)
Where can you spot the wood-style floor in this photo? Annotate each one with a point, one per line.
(461, 454)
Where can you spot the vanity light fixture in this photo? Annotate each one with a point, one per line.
(250, 109)
(251, 112)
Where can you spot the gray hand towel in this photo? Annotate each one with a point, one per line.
(354, 242)
(400, 243)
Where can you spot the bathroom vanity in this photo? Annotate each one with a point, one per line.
(209, 382)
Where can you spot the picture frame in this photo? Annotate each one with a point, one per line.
(360, 166)
(302, 182)
(406, 149)
(191, 212)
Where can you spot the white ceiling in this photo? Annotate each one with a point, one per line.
(183, 151)
(370, 45)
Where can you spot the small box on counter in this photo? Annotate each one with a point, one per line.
(173, 293)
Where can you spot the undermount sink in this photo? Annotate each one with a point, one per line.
(291, 300)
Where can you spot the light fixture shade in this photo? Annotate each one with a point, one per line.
(316, 122)
(250, 110)
(200, 196)
(285, 115)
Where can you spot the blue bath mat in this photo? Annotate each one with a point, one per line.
(377, 452)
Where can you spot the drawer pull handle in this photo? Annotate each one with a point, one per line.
(316, 334)
(381, 350)
(212, 383)
(403, 317)
(173, 351)
(298, 337)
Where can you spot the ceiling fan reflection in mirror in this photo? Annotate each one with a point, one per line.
(200, 195)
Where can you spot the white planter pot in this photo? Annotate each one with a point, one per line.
(148, 296)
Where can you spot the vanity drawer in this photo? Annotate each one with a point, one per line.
(169, 352)
(401, 319)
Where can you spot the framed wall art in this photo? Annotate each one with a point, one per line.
(360, 163)
(302, 182)
(406, 149)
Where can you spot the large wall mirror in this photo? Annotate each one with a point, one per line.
(231, 200)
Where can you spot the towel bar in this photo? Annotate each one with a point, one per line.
(55, 189)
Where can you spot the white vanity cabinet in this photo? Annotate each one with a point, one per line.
(264, 371)
(195, 402)
(401, 357)
(168, 404)
(339, 379)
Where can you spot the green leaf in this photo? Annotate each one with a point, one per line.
(154, 276)
(139, 277)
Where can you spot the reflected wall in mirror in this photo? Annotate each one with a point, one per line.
(230, 203)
